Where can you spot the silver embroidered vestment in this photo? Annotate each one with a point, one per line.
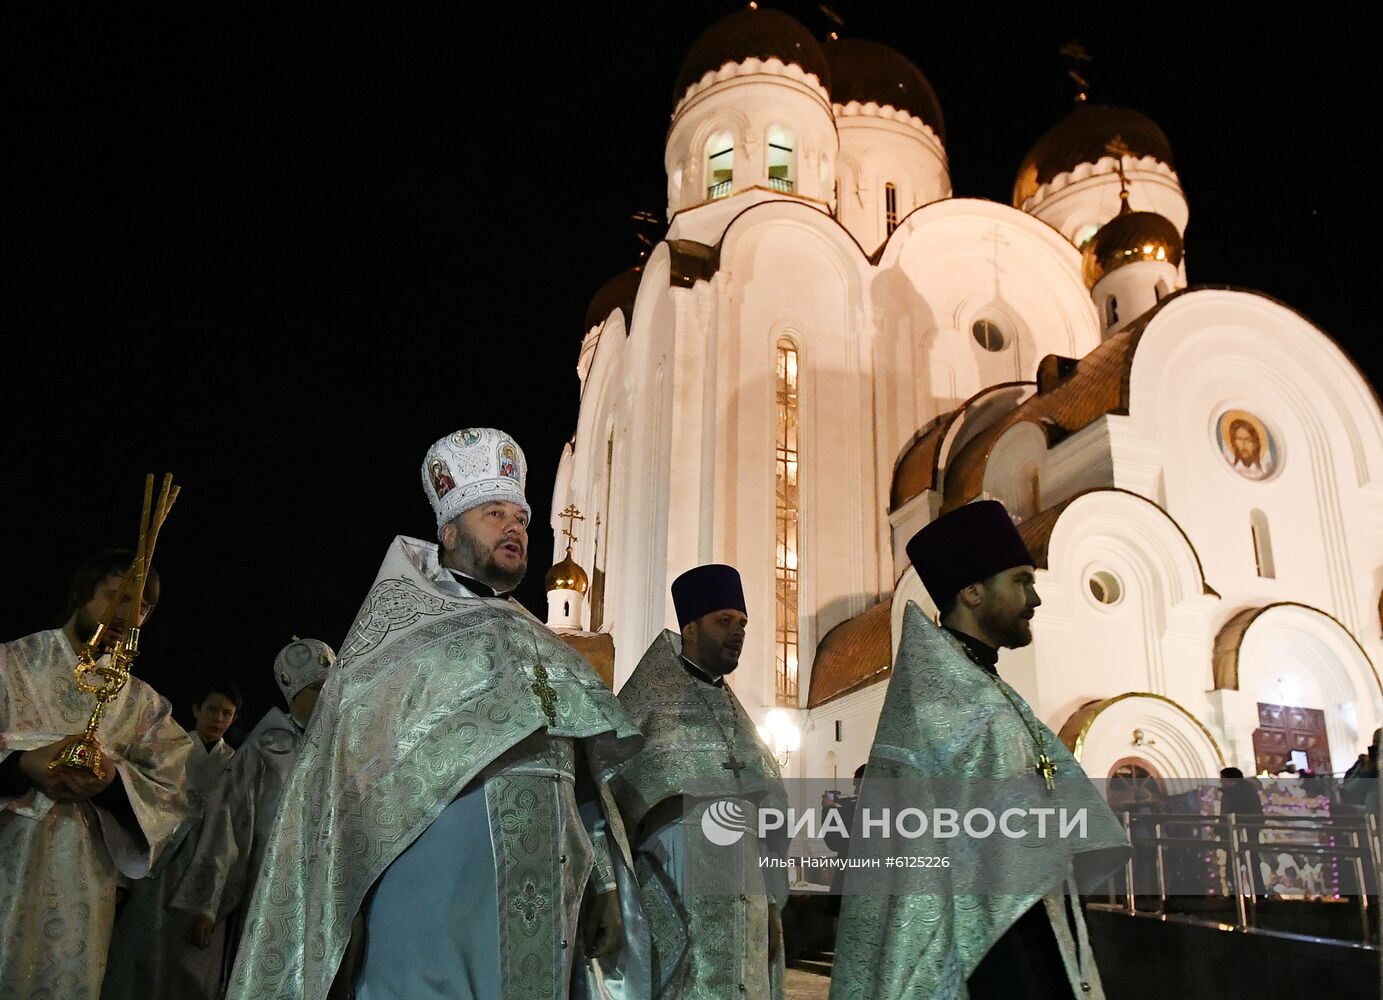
(951, 735)
(59, 860)
(150, 957)
(239, 818)
(700, 748)
(428, 734)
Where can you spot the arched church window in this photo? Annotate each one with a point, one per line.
(780, 174)
(1111, 310)
(890, 208)
(988, 334)
(787, 526)
(720, 165)
(1262, 544)
(1134, 785)
(1084, 235)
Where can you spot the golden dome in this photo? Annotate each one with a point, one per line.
(1128, 238)
(1084, 136)
(567, 575)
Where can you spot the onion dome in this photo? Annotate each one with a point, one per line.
(1128, 238)
(567, 575)
(752, 33)
(617, 293)
(1085, 136)
(867, 71)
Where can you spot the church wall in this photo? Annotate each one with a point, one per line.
(786, 276)
(638, 575)
(1124, 609)
(874, 152)
(583, 478)
(1304, 526)
(960, 261)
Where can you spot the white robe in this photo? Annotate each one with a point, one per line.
(59, 860)
(150, 958)
(237, 825)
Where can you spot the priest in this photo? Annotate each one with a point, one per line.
(150, 958)
(66, 834)
(448, 830)
(240, 817)
(1001, 917)
(714, 910)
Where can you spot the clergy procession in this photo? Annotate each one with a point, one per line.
(459, 806)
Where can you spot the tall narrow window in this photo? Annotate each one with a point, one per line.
(720, 165)
(1262, 544)
(890, 209)
(780, 159)
(787, 527)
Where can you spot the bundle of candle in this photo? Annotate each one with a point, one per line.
(106, 676)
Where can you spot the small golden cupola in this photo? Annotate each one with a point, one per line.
(566, 582)
(567, 575)
(1128, 238)
(1132, 263)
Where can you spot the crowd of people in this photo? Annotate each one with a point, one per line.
(458, 806)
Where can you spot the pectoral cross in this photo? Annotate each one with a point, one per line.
(547, 697)
(1047, 769)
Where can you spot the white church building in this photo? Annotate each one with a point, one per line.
(827, 350)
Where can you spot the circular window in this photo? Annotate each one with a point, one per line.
(989, 335)
(1105, 587)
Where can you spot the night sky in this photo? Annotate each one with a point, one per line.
(280, 256)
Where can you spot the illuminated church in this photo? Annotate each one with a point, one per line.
(826, 350)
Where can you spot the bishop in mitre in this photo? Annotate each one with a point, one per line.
(448, 830)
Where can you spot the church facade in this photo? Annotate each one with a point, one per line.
(827, 350)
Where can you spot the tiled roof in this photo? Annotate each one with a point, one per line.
(1070, 395)
(855, 654)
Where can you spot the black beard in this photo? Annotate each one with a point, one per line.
(1010, 634)
(486, 570)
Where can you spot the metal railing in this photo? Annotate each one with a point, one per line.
(719, 189)
(1240, 837)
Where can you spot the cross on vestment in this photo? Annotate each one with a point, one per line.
(1047, 769)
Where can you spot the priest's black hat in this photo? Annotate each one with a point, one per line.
(968, 545)
(699, 591)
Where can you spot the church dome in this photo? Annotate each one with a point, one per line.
(751, 34)
(567, 575)
(867, 71)
(1084, 136)
(617, 293)
(1128, 238)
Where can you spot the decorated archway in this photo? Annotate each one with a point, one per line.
(1164, 738)
(1304, 671)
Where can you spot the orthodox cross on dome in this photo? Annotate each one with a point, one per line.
(830, 15)
(1118, 148)
(1077, 57)
(645, 226)
(572, 515)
